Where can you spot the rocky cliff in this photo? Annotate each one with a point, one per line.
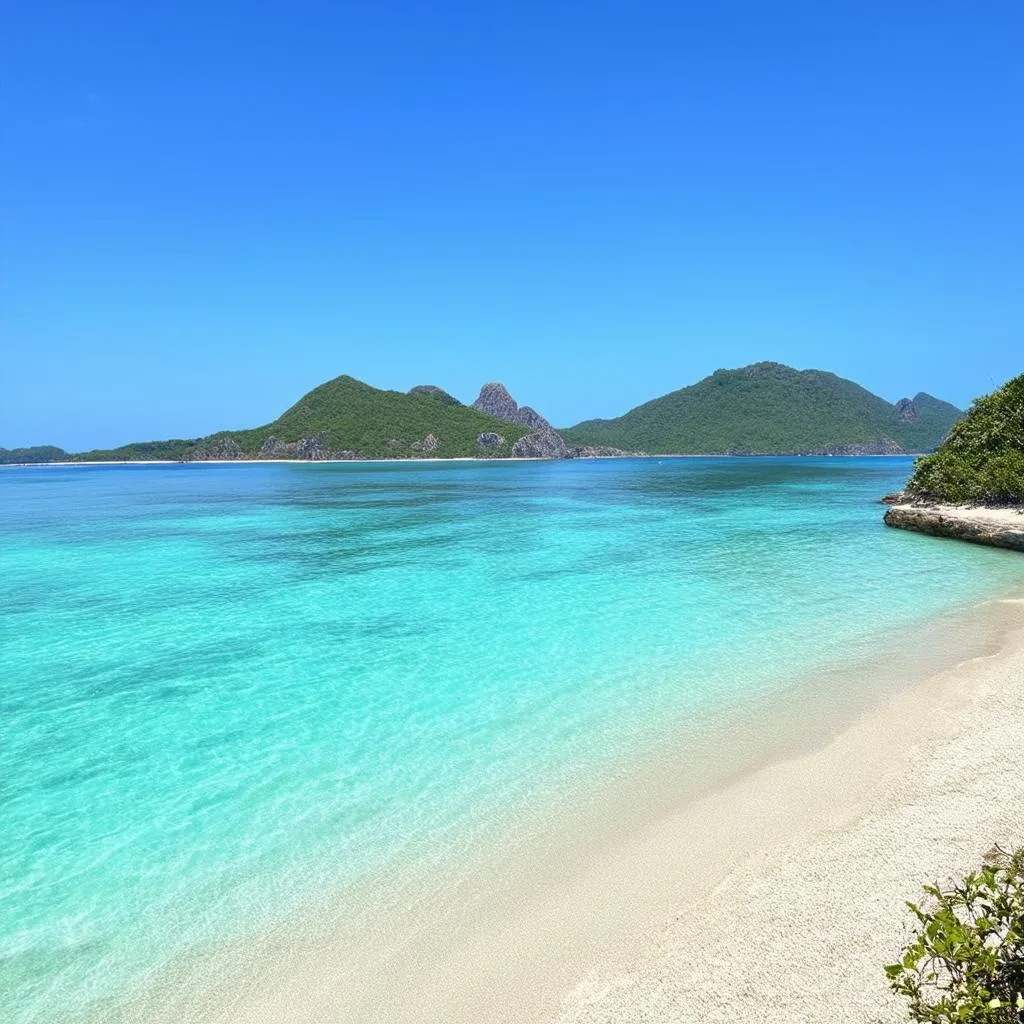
(494, 400)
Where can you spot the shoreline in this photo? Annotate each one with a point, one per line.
(918, 789)
(976, 524)
(456, 458)
(834, 820)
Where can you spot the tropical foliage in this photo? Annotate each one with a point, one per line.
(982, 460)
(140, 451)
(966, 960)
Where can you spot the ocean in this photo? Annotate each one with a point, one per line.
(231, 692)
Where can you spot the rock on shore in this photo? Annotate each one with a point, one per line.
(219, 450)
(600, 451)
(996, 527)
(541, 444)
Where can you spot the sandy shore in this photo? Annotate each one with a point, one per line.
(918, 789)
(775, 895)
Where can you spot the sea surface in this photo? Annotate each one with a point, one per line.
(228, 690)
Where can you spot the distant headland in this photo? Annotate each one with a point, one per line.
(762, 409)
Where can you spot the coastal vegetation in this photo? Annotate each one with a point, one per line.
(966, 960)
(982, 460)
(768, 408)
(39, 453)
(140, 451)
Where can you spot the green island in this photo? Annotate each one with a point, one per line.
(771, 409)
(344, 418)
(762, 409)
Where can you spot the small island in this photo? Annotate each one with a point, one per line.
(972, 487)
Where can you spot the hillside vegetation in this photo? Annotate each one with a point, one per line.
(774, 409)
(982, 460)
(39, 453)
(140, 451)
(348, 416)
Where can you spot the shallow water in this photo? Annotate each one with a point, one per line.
(227, 688)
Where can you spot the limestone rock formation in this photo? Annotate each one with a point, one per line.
(1000, 528)
(541, 444)
(881, 447)
(489, 439)
(428, 444)
(219, 449)
(599, 451)
(906, 410)
(274, 448)
(311, 448)
(529, 417)
(497, 402)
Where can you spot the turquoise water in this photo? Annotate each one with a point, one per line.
(226, 689)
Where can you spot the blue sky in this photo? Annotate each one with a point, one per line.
(207, 209)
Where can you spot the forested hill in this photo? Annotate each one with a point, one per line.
(24, 456)
(345, 418)
(773, 409)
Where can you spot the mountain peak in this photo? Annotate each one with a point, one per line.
(433, 391)
(495, 400)
(906, 409)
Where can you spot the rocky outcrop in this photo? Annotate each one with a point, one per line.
(489, 439)
(599, 451)
(310, 449)
(432, 391)
(220, 449)
(529, 417)
(883, 446)
(996, 527)
(427, 445)
(274, 448)
(906, 410)
(497, 402)
(541, 444)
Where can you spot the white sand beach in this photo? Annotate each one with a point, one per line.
(775, 896)
(798, 929)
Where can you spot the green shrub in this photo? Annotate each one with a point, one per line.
(966, 961)
(982, 460)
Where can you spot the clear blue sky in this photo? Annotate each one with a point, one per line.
(208, 208)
